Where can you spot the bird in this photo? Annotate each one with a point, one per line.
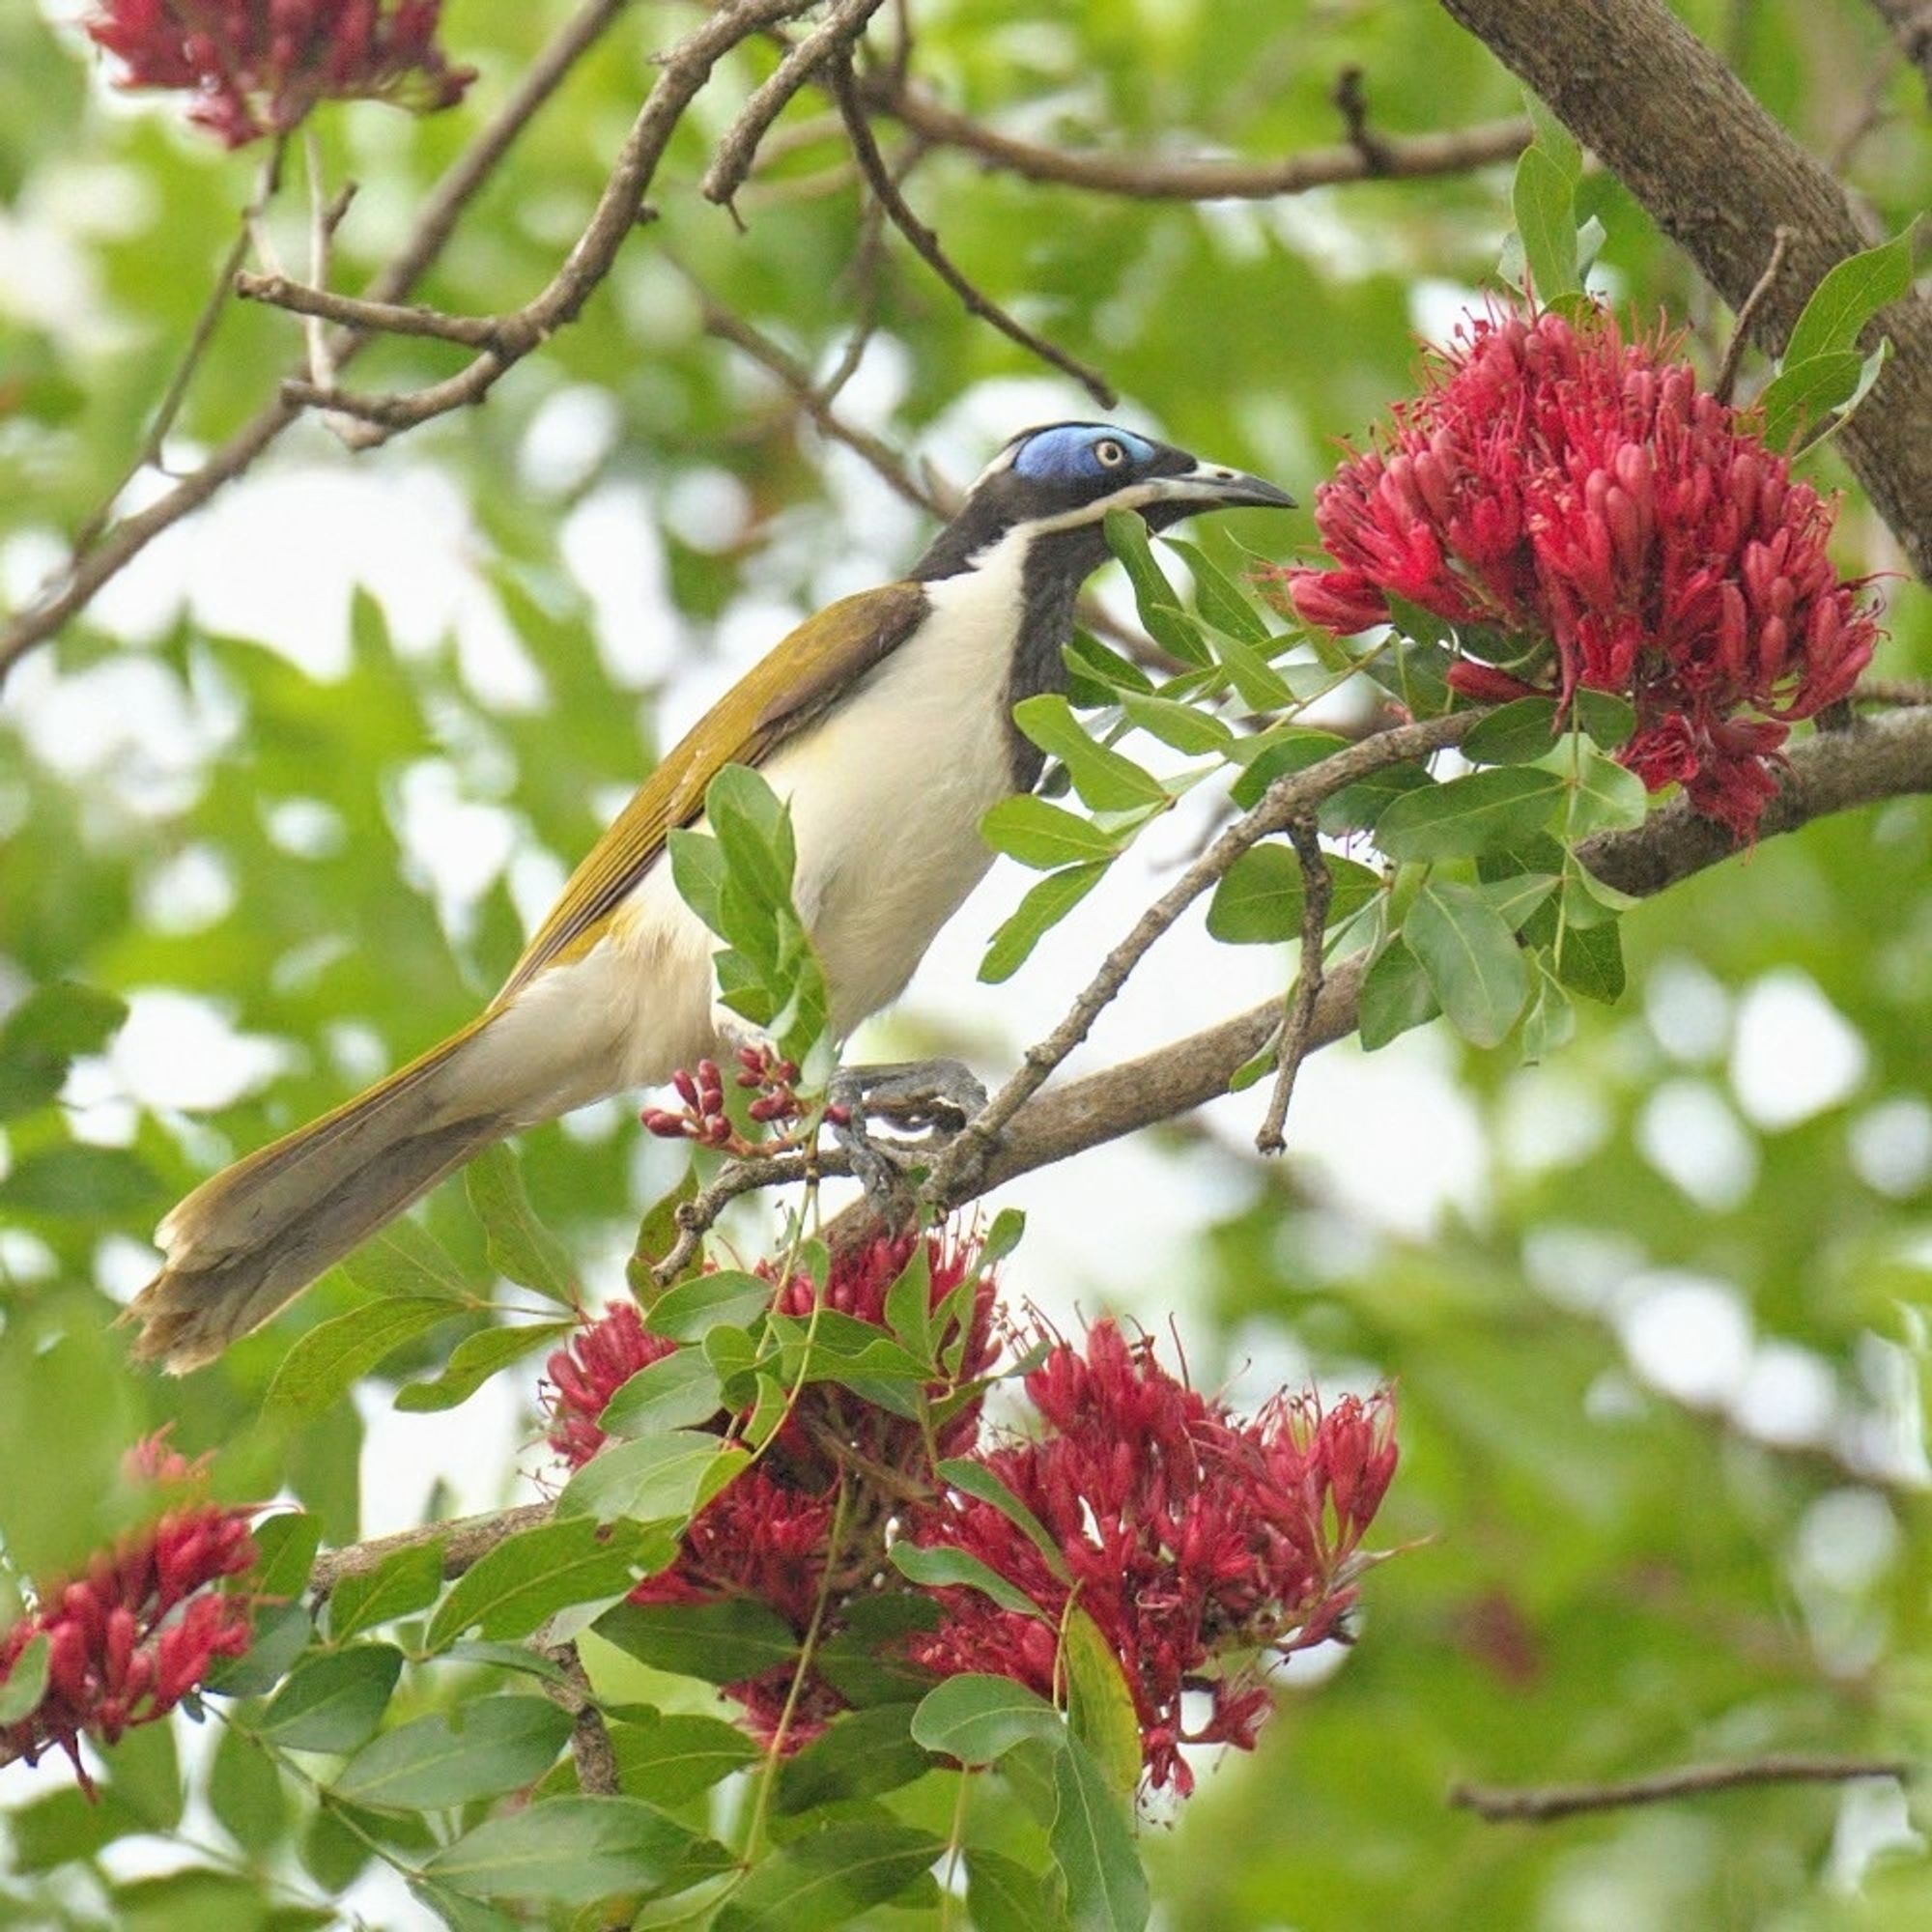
(886, 724)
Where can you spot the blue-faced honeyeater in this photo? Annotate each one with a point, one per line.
(885, 721)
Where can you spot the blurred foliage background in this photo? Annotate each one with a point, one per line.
(298, 783)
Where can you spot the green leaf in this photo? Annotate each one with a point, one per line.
(1544, 202)
(26, 1683)
(975, 1479)
(322, 1364)
(1516, 899)
(1093, 1846)
(406, 1260)
(520, 1246)
(1550, 1021)
(1003, 1895)
(687, 1312)
(1514, 733)
(940, 1567)
(571, 1851)
(539, 1572)
(666, 1394)
(333, 1702)
(285, 1547)
(503, 1744)
(81, 1183)
(979, 1720)
(830, 1878)
(1359, 807)
(1097, 674)
(474, 1360)
(859, 1755)
(1100, 1708)
(656, 1234)
(1104, 778)
(654, 1479)
(674, 1757)
(1412, 668)
(1485, 811)
(1259, 899)
(398, 1586)
(1849, 295)
(719, 1642)
(1606, 797)
(1185, 727)
(244, 1791)
(1275, 753)
(1592, 962)
(1802, 392)
(1608, 717)
(1044, 836)
(1217, 596)
(908, 1306)
(1471, 958)
(1045, 906)
(281, 1635)
(42, 1036)
(1154, 599)
(834, 1346)
(1553, 136)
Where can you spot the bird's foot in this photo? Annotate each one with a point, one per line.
(930, 1098)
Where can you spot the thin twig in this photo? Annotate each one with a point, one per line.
(465, 1542)
(696, 1217)
(87, 569)
(1782, 238)
(836, 34)
(1351, 101)
(590, 1748)
(681, 74)
(205, 326)
(475, 331)
(1539, 1804)
(846, 90)
(1318, 888)
(1290, 797)
(1891, 690)
(1162, 178)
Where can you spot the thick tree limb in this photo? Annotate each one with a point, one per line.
(1169, 178)
(1540, 1804)
(1715, 172)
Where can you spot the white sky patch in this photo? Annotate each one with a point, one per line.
(1795, 1054)
(1789, 1395)
(1687, 1336)
(1891, 1146)
(569, 436)
(1688, 1133)
(1688, 1010)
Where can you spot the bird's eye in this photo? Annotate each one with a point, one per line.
(1109, 453)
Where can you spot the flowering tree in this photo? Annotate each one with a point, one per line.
(858, 1570)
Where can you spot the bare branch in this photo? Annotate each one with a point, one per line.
(1164, 178)
(465, 1542)
(1726, 378)
(1349, 95)
(1891, 690)
(1715, 172)
(846, 91)
(1540, 1804)
(86, 573)
(1288, 798)
(681, 74)
(590, 1748)
(475, 331)
(1318, 888)
(836, 34)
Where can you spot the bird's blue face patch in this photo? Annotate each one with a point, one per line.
(1081, 452)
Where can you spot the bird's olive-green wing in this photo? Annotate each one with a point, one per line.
(798, 681)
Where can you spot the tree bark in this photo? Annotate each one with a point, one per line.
(1719, 175)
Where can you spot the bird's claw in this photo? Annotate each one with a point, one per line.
(931, 1098)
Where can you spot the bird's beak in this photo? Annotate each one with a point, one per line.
(1214, 485)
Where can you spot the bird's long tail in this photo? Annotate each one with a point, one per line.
(258, 1233)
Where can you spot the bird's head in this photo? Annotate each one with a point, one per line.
(1056, 483)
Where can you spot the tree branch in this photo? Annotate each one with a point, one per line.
(1540, 1804)
(1318, 888)
(84, 575)
(465, 1542)
(1162, 178)
(681, 74)
(1717, 173)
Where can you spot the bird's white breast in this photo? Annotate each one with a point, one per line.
(887, 792)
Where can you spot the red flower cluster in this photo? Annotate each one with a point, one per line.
(136, 1633)
(1187, 1536)
(1565, 488)
(257, 66)
(702, 1116)
(766, 1536)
